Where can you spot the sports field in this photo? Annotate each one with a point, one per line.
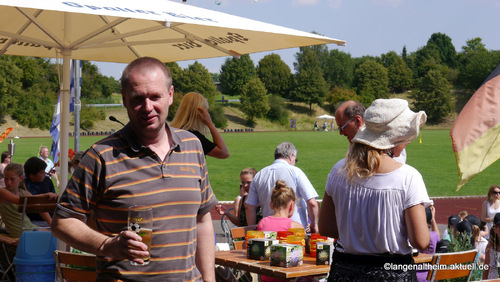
(317, 153)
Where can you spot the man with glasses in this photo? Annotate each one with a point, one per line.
(349, 119)
(283, 168)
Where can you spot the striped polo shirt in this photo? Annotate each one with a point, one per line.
(118, 172)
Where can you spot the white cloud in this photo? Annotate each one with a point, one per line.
(335, 4)
(389, 3)
(305, 2)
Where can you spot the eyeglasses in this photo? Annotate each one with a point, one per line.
(341, 129)
(496, 192)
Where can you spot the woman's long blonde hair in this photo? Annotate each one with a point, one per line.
(187, 114)
(492, 198)
(361, 161)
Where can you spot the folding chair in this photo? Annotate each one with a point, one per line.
(442, 265)
(226, 225)
(238, 234)
(75, 266)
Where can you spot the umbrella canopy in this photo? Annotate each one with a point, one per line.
(123, 30)
(325, 117)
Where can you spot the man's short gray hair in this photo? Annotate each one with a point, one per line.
(284, 150)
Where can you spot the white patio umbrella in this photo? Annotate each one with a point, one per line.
(123, 30)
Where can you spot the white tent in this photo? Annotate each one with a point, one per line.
(325, 116)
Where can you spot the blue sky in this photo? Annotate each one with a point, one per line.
(370, 27)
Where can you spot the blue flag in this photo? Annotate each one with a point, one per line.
(56, 119)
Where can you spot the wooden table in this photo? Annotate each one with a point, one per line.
(238, 259)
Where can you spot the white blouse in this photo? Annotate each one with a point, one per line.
(370, 212)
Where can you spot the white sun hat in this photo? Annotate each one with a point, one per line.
(388, 123)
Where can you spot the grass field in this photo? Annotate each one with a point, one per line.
(318, 152)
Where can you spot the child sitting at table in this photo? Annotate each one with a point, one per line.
(283, 204)
(9, 200)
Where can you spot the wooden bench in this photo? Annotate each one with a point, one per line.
(35, 204)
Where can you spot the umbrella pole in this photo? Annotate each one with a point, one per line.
(64, 124)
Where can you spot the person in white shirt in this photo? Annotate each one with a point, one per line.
(374, 204)
(44, 155)
(283, 168)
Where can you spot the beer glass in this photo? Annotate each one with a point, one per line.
(140, 221)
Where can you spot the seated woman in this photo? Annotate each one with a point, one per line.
(9, 199)
(193, 116)
(239, 217)
(373, 204)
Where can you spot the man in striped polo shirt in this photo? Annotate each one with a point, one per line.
(145, 163)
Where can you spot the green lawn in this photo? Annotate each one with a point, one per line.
(318, 152)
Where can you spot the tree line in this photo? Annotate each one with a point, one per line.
(29, 88)
(437, 78)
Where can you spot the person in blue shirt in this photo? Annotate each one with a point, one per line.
(37, 183)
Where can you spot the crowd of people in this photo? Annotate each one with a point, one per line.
(375, 204)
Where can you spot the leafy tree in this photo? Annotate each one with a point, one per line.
(425, 56)
(446, 50)
(109, 86)
(196, 78)
(89, 115)
(96, 86)
(434, 96)
(217, 114)
(339, 70)
(309, 85)
(479, 67)
(388, 59)
(90, 81)
(338, 95)
(10, 84)
(400, 76)
(176, 73)
(275, 74)
(215, 76)
(27, 90)
(476, 63)
(359, 61)
(277, 111)
(371, 80)
(235, 73)
(404, 54)
(254, 101)
(34, 109)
